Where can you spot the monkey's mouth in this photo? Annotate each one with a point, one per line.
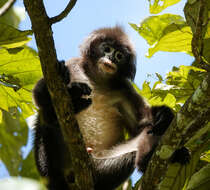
(107, 65)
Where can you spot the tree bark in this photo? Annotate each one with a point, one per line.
(79, 165)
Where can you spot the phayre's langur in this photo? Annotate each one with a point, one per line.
(103, 73)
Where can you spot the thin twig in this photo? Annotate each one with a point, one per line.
(6, 7)
(64, 13)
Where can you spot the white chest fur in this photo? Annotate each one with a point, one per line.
(101, 123)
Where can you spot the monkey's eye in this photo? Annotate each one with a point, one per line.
(108, 49)
(119, 56)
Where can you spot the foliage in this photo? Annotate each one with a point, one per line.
(172, 33)
(20, 69)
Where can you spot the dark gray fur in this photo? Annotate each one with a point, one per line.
(112, 107)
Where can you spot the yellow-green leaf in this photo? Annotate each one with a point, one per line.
(166, 32)
(152, 28)
(206, 156)
(19, 70)
(11, 37)
(0, 116)
(157, 6)
(170, 100)
(178, 40)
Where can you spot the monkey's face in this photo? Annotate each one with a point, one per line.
(111, 59)
(108, 54)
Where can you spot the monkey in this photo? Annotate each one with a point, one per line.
(106, 106)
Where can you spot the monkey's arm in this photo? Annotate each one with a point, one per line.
(76, 90)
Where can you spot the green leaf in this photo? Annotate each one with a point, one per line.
(12, 38)
(178, 40)
(206, 156)
(146, 90)
(19, 70)
(170, 100)
(15, 183)
(206, 50)
(200, 180)
(13, 136)
(160, 78)
(13, 16)
(152, 28)
(177, 175)
(166, 32)
(29, 162)
(158, 5)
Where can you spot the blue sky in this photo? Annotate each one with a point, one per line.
(90, 15)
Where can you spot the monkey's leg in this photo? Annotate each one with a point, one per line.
(111, 172)
(49, 154)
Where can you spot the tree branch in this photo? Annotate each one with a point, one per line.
(6, 7)
(64, 13)
(194, 115)
(77, 164)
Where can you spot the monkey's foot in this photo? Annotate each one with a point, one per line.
(182, 156)
(89, 150)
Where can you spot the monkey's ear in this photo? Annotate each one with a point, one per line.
(133, 68)
(129, 69)
(85, 46)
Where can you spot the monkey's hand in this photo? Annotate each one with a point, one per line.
(162, 118)
(77, 91)
(64, 72)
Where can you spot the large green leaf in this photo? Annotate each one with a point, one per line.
(19, 70)
(200, 180)
(156, 6)
(13, 136)
(166, 32)
(11, 37)
(177, 175)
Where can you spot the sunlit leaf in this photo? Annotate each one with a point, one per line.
(19, 70)
(156, 6)
(206, 156)
(11, 37)
(165, 33)
(176, 41)
(169, 100)
(152, 28)
(0, 116)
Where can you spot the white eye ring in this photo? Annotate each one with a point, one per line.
(105, 48)
(118, 56)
